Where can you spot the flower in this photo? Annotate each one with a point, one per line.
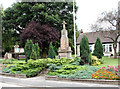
(104, 74)
(103, 67)
(8, 65)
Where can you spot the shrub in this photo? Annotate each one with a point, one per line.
(84, 74)
(52, 73)
(101, 60)
(61, 61)
(32, 72)
(98, 49)
(95, 61)
(51, 52)
(21, 58)
(90, 59)
(33, 55)
(53, 67)
(104, 74)
(19, 62)
(28, 49)
(31, 68)
(69, 67)
(66, 70)
(37, 50)
(84, 49)
(8, 61)
(77, 61)
(8, 69)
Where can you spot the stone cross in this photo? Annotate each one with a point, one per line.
(64, 24)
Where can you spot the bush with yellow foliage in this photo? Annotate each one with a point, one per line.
(95, 61)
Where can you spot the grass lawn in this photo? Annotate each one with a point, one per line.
(109, 61)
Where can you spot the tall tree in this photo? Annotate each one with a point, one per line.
(51, 52)
(43, 34)
(98, 49)
(28, 49)
(84, 49)
(18, 16)
(37, 50)
(108, 22)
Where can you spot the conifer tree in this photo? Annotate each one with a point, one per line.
(28, 49)
(37, 49)
(98, 48)
(84, 49)
(51, 52)
(33, 53)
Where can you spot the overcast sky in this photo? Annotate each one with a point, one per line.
(88, 10)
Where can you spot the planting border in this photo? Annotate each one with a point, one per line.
(14, 75)
(100, 81)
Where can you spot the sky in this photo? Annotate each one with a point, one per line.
(88, 10)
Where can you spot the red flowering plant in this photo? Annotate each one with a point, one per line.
(104, 74)
(113, 69)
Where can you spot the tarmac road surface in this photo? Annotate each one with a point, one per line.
(41, 82)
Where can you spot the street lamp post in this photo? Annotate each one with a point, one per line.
(74, 27)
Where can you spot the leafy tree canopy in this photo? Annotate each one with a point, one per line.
(43, 34)
(17, 17)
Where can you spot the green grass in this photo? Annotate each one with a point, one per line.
(109, 61)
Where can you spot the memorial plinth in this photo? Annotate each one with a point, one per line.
(64, 49)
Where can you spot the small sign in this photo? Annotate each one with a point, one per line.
(21, 50)
(16, 50)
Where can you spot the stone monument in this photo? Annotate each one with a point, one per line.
(64, 49)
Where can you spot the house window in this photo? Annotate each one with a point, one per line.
(104, 48)
(110, 48)
(90, 48)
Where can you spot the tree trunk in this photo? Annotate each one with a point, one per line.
(115, 54)
(114, 47)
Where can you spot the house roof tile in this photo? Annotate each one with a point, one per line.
(92, 36)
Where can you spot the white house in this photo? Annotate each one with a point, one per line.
(107, 43)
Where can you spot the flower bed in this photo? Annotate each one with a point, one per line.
(104, 74)
(100, 81)
(62, 68)
(111, 73)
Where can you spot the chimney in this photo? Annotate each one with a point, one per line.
(81, 31)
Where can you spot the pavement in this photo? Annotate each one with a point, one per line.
(41, 82)
(9, 85)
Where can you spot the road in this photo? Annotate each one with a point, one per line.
(41, 82)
